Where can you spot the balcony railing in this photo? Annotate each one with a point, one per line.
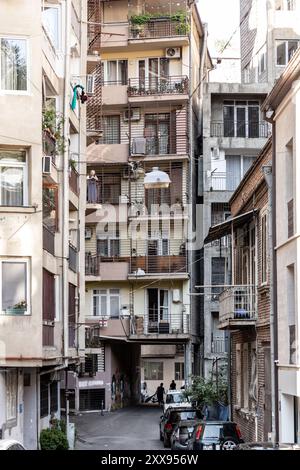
(92, 263)
(218, 345)
(239, 129)
(158, 28)
(223, 181)
(74, 181)
(170, 144)
(176, 85)
(73, 258)
(238, 304)
(152, 264)
(155, 323)
(48, 240)
(103, 193)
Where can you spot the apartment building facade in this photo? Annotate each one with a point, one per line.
(282, 109)
(43, 49)
(234, 133)
(137, 260)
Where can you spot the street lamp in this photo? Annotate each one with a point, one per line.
(156, 179)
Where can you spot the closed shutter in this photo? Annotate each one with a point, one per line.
(92, 399)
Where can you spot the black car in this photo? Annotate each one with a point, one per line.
(172, 417)
(181, 434)
(215, 435)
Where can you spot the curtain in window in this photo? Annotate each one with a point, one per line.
(14, 296)
(164, 304)
(11, 182)
(233, 172)
(13, 64)
(114, 303)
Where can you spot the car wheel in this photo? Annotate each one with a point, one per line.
(229, 444)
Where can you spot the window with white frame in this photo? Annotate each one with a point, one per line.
(153, 370)
(11, 395)
(115, 72)
(106, 303)
(158, 247)
(108, 247)
(51, 23)
(13, 65)
(285, 50)
(14, 287)
(13, 178)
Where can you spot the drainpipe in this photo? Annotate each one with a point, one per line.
(65, 205)
(201, 78)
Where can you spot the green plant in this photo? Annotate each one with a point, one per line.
(207, 391)
(179, 16)
(53, 123)
(53, 439)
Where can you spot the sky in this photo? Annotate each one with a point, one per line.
(223, 18)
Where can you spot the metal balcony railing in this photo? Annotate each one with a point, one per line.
(218, 345)
(73, 254)
(162, 322)
(238, 303)
(158, 28)
(48, 240)
(92, 263)
(223, 181)
(103, 192)
(168, 144)
(153, 264)
(228, 128)
(176, 85)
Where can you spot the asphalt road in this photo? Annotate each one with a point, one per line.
(126, 429)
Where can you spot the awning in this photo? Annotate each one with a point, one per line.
(221, 230)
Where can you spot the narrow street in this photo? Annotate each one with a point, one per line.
(127, 429)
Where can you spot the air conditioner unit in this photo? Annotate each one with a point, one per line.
(88, 233)
(47, 164)
(133, 114)
(173, 52)
(90, 84)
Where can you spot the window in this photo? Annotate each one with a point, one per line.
(153, 73)
(179, 371)
(246, 376)
(285, 50)
(44, 396)
(11, 394)
(13, 178)
(264, 249)
(238, 378)
(14, 298)
(106, 302)
(115, 72)
(158, 247)
(217, 274)
(111, 130)
(262, 59)
(241, 119)
(153, 370)
(108, 247)
(53, 397)
(50, 20)
(13, 67)
(158, 307)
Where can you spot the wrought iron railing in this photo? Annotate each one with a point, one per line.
(152, 264)
(158, 28)
(92, 263)
(238, 303)
(176, 85)
(160, 322)
(230, 128)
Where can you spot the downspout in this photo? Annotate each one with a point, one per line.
(65, 190)
(201, 86)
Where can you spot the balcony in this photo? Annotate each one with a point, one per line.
(164, 88)
(171, 325)
(152, 146)
(74, 181)
(48, 240)
(240, 129)
(238, 307)
(174, 265)
(102, 192)
(223, 181)
(218, 345)
(106, 268)
(161, 31)
(73, 258)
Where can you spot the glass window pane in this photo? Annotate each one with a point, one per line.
(114, 306)
(14, 296)
(112, 71)
(13, 156)
(102, 247)
(103, 310)
(292, 47)
(95, 305)
(114, 248)
(111, 128)
(12, 186)
(281, 52)
(50, 22)
(13, 64)
(122, 72)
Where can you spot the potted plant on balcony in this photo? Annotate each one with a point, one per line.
(52, 124)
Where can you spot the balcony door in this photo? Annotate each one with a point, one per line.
(153, 73)
(241, 119)
(158, 311)
(157, 133)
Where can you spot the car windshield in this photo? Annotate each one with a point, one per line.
(175, 398)
(177, 416)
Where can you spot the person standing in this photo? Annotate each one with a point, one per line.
(160, 394)
(173, 385)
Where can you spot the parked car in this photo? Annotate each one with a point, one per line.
(10, 444)
(171, 418)
(181, 434)
(215, 435)
(267, 446)
(176, 398)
